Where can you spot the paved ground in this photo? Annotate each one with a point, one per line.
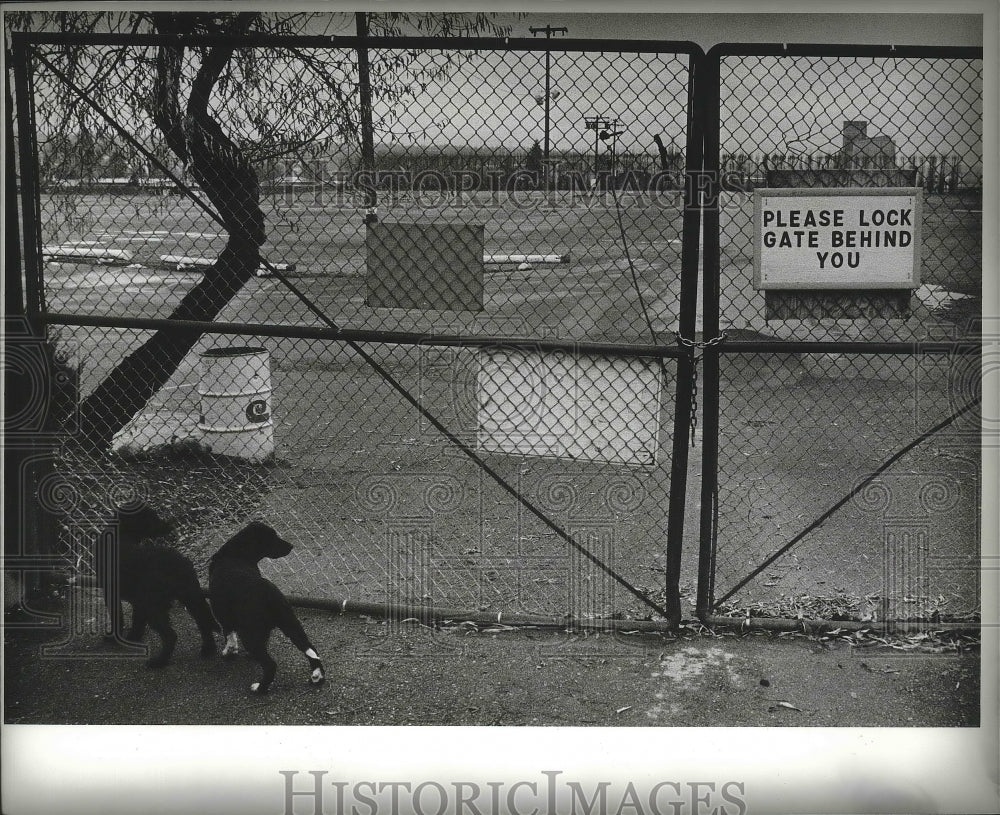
(612, 693)
(405, 673)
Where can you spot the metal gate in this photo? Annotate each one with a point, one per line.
(466, 284)
(477, 303)
(842, 426)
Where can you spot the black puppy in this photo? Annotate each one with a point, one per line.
(250, 606)
(149, 576)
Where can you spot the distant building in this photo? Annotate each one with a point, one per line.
(861, 151)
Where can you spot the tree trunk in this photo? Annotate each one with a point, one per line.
(230, 183)
(664, 155)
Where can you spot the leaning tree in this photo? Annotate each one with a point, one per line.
(220, 109)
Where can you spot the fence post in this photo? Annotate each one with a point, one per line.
(31, 532)
(688, 306)
(367, 135)
(709, 91)
(30, 202)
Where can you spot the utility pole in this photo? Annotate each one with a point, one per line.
(548, 30)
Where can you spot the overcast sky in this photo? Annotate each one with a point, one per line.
(916, 123)
(925, 106)
(491, 98)
(739, 22)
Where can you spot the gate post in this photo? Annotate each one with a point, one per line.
(31, 531)
(688, 308)
(709, 91)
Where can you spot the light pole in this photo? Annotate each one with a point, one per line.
(548, 30)
(613, 135)
(600, 125)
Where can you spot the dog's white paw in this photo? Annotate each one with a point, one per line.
(255, 687)
(317, 676)
(232, 646)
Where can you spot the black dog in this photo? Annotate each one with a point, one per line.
(149, 576)
(251, 607)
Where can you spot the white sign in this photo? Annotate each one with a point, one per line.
(856, 238)
(586, 408)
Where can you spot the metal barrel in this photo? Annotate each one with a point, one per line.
(235, 391)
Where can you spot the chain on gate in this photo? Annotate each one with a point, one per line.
(696, 345)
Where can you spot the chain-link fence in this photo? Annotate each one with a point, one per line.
(428, 307)
(845, 481)
(428, 335)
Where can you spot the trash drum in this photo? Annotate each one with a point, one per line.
(235, 391)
